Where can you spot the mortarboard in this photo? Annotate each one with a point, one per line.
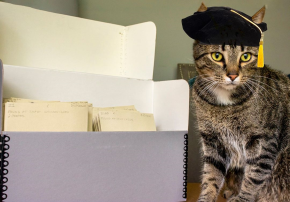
(223, 25)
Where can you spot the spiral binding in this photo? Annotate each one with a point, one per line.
(185, 160)
(4, 155)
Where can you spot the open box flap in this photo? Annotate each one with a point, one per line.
(36, 38)
(167, 100)
(170, 105)
(100, 90)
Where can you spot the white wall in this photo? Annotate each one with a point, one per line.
(173, 45)
(67, 7)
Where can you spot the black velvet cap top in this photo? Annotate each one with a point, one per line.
(220, 25)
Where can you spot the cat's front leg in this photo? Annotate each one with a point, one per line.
(261, 157)
(215, 165)
(233, 181)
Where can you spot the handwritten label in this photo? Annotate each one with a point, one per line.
(122, 120)
(42, 116)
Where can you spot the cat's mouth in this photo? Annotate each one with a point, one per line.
(230, 85)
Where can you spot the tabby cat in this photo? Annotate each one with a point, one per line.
(243, 115)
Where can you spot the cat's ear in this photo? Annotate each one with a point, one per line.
(259, 16)
(202, 8)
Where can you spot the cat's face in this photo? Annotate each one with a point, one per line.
(228, 66)
(225, 66)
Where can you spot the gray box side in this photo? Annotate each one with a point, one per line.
(1, 96)
(95, 166)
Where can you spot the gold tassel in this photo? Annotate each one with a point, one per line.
(260, 62)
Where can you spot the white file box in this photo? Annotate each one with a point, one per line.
(50, 56)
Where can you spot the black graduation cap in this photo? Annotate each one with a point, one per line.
(223, 25)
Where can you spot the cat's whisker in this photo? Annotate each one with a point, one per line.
(259, 86)
(257, 93)
(205, 82)
(204, 90)
(253, 92)
(205, 76)
(244, 87)
(254, 87)
(213, 91)
(190, 59)
(264, 84)
(260, 97)
(207, 87)
(210, 90)
(257, 89)
(263, 96)
(275, 80)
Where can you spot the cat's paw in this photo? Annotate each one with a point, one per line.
(228, 194)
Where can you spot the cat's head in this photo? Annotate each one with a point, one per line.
(229, 65)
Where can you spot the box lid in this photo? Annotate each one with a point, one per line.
(35, 38)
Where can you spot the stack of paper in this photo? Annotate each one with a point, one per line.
(45, 116)
(126, 121)
(124, 118)
(96, 110)
(37, 115)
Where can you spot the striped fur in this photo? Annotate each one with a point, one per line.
(244, 126)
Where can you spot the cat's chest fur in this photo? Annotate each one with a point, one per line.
(234, 143)
(230, 132)
(230, 124)
(223, 96)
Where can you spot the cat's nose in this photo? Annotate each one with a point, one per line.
(233, 76)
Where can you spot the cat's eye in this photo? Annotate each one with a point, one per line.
(246, 57)
(216, 56)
